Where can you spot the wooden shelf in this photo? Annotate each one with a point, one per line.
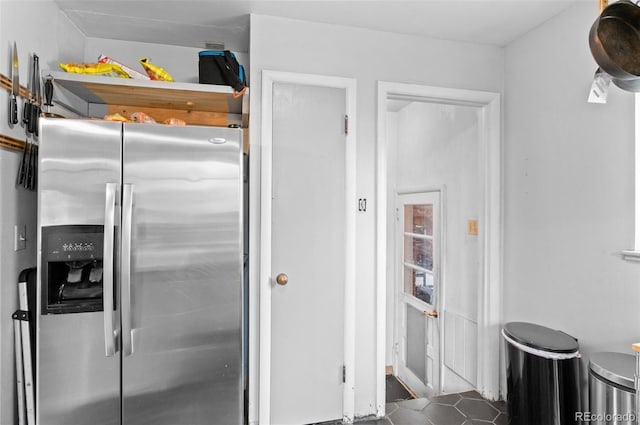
(127, 94)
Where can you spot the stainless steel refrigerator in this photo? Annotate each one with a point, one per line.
(140, 279)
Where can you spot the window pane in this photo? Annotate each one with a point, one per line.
(418, 252)
(419, 284)
(418, 219)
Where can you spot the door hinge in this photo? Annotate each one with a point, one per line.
(397, 214)
(344, 374)
(23, 315)
(346, 125)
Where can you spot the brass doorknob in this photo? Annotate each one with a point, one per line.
(432, 313)
(282, 279)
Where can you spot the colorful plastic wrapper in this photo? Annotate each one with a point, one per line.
(108, 69)
(115, 117)
(154, 71)
(130, 71)
(174, 121)
(141, 117)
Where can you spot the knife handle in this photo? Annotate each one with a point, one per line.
(33, 120)
(35, 117)
(26, 114)
(13, 110)
(48, 91)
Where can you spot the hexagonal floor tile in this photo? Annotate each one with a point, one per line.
(408, 416)
(471, 394)
(415, 404)
(389, 408)
(477, 409)
(449, 399)
(441, 414)
(502, 419)
(500, 405)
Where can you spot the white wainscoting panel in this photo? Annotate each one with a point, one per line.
(460, 349)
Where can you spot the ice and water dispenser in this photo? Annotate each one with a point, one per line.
(72, 269)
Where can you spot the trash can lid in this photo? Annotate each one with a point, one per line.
(619, 368)
(541, 338)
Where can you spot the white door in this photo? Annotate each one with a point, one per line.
(308, 249)
(418, 292)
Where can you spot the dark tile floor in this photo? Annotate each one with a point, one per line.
(468, 408)
(395, 390)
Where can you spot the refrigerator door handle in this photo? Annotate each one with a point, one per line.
(125, 270)
(109, 217)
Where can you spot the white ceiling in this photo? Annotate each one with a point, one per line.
(194, 23)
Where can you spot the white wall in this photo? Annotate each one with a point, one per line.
(36, 26)
(569, 191)
(438, 148)
(305, 47)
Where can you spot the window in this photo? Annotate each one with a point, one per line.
(635, 253)
(418, 250)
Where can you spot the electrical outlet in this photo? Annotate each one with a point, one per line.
(19, 237)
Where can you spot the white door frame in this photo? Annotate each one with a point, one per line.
(266, 281)
(490, 290)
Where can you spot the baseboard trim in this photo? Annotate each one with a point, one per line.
(406, 387)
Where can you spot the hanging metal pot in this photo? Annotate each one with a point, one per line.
(614, 40)
(627, 85)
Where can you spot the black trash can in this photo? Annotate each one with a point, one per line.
(543, 375)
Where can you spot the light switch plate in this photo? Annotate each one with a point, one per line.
(19, 237)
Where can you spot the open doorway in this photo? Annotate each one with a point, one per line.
(444, 141)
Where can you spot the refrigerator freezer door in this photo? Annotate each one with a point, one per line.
(183, 351)
(76, 383)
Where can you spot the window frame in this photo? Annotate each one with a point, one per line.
(634, 254)
(417, 198)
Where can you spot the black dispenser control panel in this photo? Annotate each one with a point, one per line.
(72, 271)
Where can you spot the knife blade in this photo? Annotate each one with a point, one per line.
(37, 95)
(15, 87)
(27, 110)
